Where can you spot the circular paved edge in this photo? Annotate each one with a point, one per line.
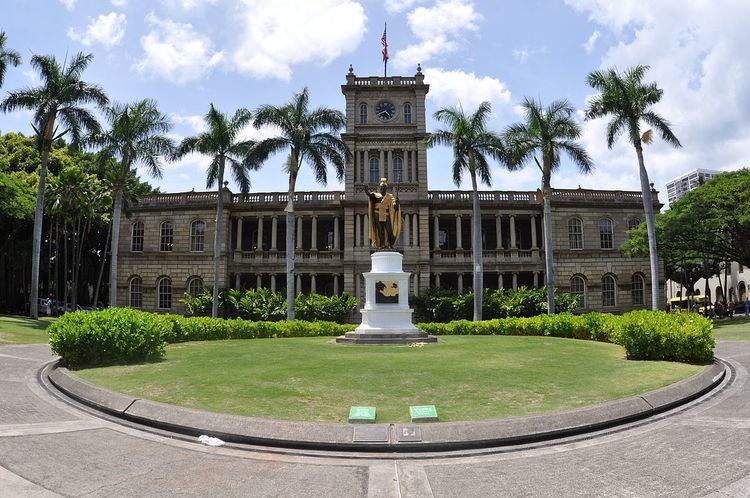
(442, 436)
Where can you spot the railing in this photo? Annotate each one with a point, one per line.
(488, 255)
(282, 198)
(598, 195)
(387, 81)
(485, 196)
(279, 256)
(179, 198)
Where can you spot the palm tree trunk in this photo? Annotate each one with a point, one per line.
(65, 266)
(476, 249)
(37, 244)
(290, 246)
(217, 239)
(648, 208)
(116, 214)
(101, 267)
(548, 255)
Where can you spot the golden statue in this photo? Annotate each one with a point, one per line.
(384, 215)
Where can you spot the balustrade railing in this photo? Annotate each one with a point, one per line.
(485, 196)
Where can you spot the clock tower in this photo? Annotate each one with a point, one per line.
(385, 132)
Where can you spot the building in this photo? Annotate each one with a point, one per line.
(677, 187)
(166, 247)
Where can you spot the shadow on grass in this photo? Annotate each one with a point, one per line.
(26, 322)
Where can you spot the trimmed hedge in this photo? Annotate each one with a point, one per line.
(121, 335)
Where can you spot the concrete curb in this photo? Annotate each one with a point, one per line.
(442, 436)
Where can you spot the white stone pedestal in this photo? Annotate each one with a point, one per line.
(386, 316)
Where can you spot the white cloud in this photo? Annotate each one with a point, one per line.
(195, 122)
(438, 29)
(68, 4)
(188, 5)
(398, 6)
(105, 29)
(523, 54)
(120, 3)
(591, 42)
(692, 49)
(277, 35)
(176, 51)
(451, 88)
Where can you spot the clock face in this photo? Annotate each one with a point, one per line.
(385, 110)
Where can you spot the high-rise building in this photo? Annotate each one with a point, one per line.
(677, 187)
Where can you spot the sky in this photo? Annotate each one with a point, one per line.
(186, 54)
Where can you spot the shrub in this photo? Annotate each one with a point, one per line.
(316, 307)
(114, 335)
(655, 335)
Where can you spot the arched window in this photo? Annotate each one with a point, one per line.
(197, 235)
(164, 293)
(575, 233)
(605, 234)
(633, 222)
(398, 168)
(194, 286)
(363, 113)
(578, 289)
(374, 170)
(136, 240)
(636, 289)
(136, 293)
(407, 113)
(609, 287)
(166, 236)
(742, 291)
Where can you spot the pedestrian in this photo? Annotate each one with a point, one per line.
(48, 305)
(718, 309)
(747, 305)
(730, 309)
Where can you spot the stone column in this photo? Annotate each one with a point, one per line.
(260, 233)
(515, 281)
(381, 164)
(406, 229)
(459, 235)
(300, 221)
(314, 235)
(499, 230)
(413, 165)
(336, 243)
(298, 290)
(460, 283)
(512, 232)
(533, 232)
(237, 280)
(388, 167)
(273, 282)
(536, 279)
(436, 229)
(366, 230)
(313, 284)
(437, 280)
(274, 232)
(336, 285)
(258, 281)
(415, 229)
(239, 233)
(500, 282)
(357, 231)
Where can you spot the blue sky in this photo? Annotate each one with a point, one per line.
(244, 53)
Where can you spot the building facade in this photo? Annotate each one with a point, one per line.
(166, 247)
(677, 187)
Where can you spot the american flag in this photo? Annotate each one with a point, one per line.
(384, 42)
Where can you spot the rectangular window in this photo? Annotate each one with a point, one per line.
(137, 238)
(197, 236)
(167, 237)
(575, 234)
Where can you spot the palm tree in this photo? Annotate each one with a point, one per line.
(8, 57)
(222, 143)
(310, 137)
(472, 143)
(628, 100)
(548, 133)
(136, 135)
(60, 97)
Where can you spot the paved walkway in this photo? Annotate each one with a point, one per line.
(49, 448)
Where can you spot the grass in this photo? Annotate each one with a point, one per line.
(467, 378)
(737, 329)
(22, 330)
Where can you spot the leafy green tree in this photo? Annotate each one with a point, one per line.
(547, 133)
(222, 143)
(8, 57)
(136, 136)
(628, 100)
(58, 100)
(309, 136)
(472, 145)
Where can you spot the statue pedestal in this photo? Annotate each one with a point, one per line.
(386, 316)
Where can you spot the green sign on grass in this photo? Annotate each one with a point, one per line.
(424, 413)
(362, 414)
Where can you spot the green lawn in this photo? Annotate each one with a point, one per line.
(21, 330)
(467, 378)
(737, 329)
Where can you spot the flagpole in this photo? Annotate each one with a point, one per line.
(385, 59)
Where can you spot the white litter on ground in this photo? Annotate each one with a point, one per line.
(210, 441)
